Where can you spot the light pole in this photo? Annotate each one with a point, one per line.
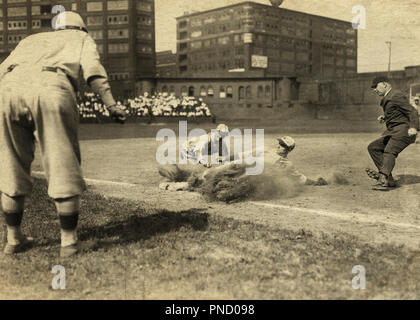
(389, 44)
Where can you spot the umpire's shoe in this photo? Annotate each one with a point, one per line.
(376, 176)
(384, 183)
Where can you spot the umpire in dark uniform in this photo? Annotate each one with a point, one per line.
(402, 124)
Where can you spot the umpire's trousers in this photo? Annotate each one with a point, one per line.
(385, 150)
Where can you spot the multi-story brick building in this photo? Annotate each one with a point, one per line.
(255, 40)
(124, 31)
(166, 64)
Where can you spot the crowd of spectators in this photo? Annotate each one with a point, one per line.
(91, 108)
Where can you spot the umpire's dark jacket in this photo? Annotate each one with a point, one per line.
(399, 115)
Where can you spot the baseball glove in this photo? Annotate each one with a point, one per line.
(321, 182)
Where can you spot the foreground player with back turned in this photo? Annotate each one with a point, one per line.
(402, 124)
(38, 84)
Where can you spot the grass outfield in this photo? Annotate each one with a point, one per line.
(138, 252)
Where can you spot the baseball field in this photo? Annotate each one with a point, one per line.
(301, 243)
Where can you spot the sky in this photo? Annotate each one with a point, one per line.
(386, 20)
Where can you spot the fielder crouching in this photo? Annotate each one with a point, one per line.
(38, 84)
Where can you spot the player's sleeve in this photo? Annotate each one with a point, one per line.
(94, 72)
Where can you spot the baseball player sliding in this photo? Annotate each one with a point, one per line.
(38, 84)
(196, 150)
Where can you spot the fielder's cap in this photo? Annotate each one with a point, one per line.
(287, 142)
(69, 20)
(379, 79)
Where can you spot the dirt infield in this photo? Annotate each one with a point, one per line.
(343, 225)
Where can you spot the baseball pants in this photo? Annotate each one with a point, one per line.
(39, 106)
(385, 150)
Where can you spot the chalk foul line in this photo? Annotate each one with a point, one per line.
(354, 217)
(41, 174)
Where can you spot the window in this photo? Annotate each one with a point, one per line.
(302, 56)
(118, 19)
(183, 24)
(142, 34)
(145, 20)
(118, 47)
(46, 9)
(222, 92)
(229, 92)
(196, 45)
(203, 92)
(172, 90)
(94, 21)
(100, 48)
(16, 11)
(16, 38)
(196, 34)
(36, 24)
(195, 23)
(117, 5)
(241, 92)
(143, 48)
(258, 51)
(267, 91)
(117, 33)
(94, 6)
(288, 55)
(223, 40)
(165, 89)
(210, 91)
(191, 91)
(114, 76)
(260, 91)
(350, 63)
(143, 6)
(45, 23)
(248, 92)
(36, 10)
(287, 67)
(16, 25)
(96, 34)
(184, 91)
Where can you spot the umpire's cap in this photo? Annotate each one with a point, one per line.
(69, 20)
(287, 142)
(379, 79)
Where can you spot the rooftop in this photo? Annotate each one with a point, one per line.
(259, 5)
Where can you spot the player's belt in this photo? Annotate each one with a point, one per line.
(53, 69)
(59, 70)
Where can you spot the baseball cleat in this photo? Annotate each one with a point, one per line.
(372, 174)
(24, 244)
(69, 251)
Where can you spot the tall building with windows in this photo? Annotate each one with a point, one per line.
(255, 40)
(124, 31)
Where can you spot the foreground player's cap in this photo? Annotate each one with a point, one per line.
(69, 20)
(377, 80)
